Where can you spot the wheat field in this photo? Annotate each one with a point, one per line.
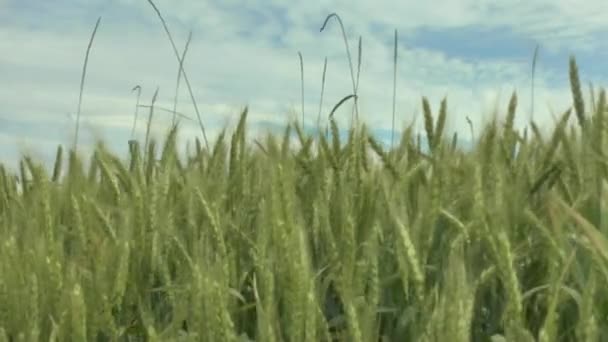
(324, 240)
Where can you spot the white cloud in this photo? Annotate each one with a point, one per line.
(246, 54)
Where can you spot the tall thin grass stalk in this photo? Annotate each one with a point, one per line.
(179, 76)
(138, 88)
(394, 90)
(302, 83)
(149, 125)
(322, 92)
(359, 55)
(198, 114)
(84, 72)
(534, 58)
(350, 62)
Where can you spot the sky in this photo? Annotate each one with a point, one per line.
(474, 53)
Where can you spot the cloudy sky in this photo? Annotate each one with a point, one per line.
(246, 54)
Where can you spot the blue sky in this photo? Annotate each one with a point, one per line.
(245, 53)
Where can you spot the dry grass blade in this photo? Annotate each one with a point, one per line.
(198, 115)
(84, 72)
(179, 76)
(346, 98)
(167, 110)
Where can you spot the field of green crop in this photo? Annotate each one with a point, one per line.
(323, 240)
(267, 242)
